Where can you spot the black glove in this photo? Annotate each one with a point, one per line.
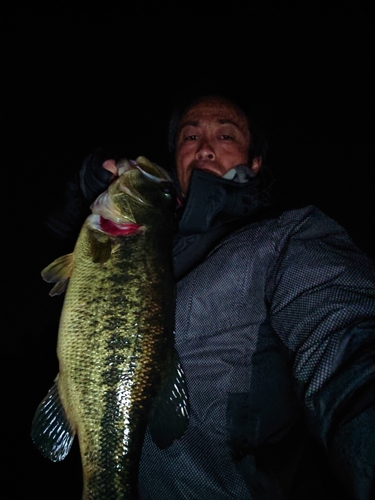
(88, 183)
(93, 178)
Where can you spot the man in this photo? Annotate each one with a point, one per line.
(213, 136)
(274, 327)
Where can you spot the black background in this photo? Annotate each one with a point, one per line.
(81, 77)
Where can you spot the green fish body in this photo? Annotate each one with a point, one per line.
(118, 369)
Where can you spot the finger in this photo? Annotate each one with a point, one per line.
(111, 166)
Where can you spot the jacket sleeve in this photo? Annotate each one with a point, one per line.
(91, 180)
(322, 302)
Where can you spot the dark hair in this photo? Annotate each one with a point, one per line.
(192, 95)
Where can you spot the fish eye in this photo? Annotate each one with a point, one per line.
(167, 189)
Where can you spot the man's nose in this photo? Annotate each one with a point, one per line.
(205, 151)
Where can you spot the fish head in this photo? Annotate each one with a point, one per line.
(143, 194)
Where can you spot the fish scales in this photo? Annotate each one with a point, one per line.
(115, 350)
(118, 360)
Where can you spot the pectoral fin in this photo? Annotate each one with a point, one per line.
(169, 417)
(51, 431)
(59, 272)
(101, 247)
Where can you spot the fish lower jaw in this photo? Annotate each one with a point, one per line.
(113, 226)
(119, 229)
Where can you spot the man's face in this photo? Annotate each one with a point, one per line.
(213, 136)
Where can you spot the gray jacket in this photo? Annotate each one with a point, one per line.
(275, 329)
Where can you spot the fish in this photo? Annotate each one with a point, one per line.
(119, 370)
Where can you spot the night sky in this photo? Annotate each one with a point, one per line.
(81, 78)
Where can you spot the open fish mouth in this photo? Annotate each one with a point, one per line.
(149, 170)
(105, 204)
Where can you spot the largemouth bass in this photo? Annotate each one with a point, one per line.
(118, 369)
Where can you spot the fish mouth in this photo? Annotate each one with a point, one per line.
(149, 170)
(105, 206)
(124, 165)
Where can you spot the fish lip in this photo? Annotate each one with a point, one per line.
(162, 175)
(150, 176)
(106, 207)
(127, 165)
(124, 165)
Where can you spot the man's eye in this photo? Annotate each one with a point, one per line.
(226, 137)
(191, 137)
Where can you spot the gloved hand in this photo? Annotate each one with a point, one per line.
(93, 177)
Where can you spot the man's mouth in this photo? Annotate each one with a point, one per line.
(207, 166)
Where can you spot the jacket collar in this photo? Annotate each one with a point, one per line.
(214, 200)
(215, 206)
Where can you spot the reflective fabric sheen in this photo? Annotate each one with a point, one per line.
(300, 277)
